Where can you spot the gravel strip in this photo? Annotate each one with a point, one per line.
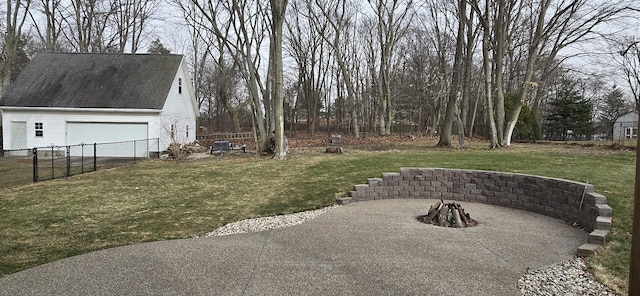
(267, 223)
(566, 278)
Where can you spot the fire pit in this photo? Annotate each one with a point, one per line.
(447, 215)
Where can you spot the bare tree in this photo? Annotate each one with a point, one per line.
(305, 46)
(340, 15)
(629, 61)
(52, 13)
(130, 18)
(455, 91)
(226, 80)
(440, 40)
(371, 91)
(484, 16)
(278, 14)
(201, 44)
(88, 22)
(550, 27)
(392, 18)
(16, 15)
(558, 26)
(240, 24)
(424, 71)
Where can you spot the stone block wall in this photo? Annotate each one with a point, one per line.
(563, 199)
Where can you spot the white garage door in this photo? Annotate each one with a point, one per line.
(98, 132)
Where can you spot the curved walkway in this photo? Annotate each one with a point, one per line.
(363, 248)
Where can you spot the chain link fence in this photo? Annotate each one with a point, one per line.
(24, 166)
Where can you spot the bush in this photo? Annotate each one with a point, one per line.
(527, 127)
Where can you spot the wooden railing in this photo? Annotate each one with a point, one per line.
(225, 136)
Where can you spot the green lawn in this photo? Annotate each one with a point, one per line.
(158, 200)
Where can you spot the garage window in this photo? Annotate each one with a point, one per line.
(39, 129)
(631, 132)
(179, 85)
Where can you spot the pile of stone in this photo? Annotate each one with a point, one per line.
(268, 223)
(565, 278)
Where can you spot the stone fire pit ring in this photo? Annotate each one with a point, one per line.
(567, 200)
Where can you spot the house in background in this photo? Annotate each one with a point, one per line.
(71, 98)
(626, 127)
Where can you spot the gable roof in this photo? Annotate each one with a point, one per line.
(630, 117)
(91, 80)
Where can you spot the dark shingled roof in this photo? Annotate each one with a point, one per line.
(90, 80)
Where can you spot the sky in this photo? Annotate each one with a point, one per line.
(595, 56)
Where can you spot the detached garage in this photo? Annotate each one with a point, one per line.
(64, 99)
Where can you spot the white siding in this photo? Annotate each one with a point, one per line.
(629, 120)
(180, 111)
(54, 124)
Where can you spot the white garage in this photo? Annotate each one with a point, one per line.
(65, 99)
(119, 135)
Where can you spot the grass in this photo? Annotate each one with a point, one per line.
(160, 200)
(15, 171)
(18, 170)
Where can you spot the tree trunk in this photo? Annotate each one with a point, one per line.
(235, 119)
(472, 123)
(460, 126)
(468, 65)
(634, 266)
(454, 92)
(278, 8)
(499, 48)
(486, 66)
(527, 83)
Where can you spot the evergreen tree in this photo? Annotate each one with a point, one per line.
(527, 127)
(612, 105)
(156, 47)
(570, 116)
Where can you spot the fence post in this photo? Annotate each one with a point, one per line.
(53, 164)
(68, 161)
(95, 156)
(134, 151)
(35, 164)
(82, 158)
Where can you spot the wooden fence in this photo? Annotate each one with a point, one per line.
(225, 137)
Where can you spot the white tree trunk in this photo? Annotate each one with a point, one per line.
(278, 8)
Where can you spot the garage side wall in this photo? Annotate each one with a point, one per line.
(625, 121)
(178, 117)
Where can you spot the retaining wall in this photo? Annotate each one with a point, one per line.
(563, 199)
